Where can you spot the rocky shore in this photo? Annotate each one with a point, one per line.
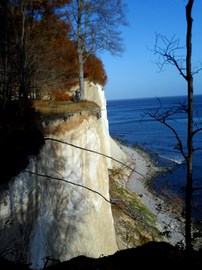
(169, 220)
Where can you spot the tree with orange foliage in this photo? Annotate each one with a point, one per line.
(37, 54)
(94, 70)
(19, 30)
(94, 27)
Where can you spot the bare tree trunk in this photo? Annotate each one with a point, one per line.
(188, 237)
(23, 78)
(5, 56)
(80, 48)
(81, 72)
(94, 26)
(166, 53)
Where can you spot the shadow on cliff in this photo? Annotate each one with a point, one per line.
(20, 137)
(157, 255)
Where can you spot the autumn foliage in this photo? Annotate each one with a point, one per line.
(94, 71)
(60, 95)
(37, 54)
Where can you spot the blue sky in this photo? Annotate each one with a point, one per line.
(134, 75)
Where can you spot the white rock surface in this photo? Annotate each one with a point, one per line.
(64, 219)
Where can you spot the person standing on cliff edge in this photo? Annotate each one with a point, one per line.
(77, 95)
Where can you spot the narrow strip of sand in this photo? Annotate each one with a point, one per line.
(170, 223)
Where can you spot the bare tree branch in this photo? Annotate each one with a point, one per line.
(198, 188)
(92, 151)
(94, 26)
(167, 53)
(69, 182)
(163, 116)
(196, 131)
(166, 50)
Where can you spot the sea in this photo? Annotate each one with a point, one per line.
(130, 122)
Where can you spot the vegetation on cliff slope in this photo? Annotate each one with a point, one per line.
(134, 224)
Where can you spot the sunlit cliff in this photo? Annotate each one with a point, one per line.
(58, 207)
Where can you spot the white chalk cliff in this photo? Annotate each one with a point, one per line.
(66, 214)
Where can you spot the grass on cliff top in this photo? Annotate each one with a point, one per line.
(54, 108)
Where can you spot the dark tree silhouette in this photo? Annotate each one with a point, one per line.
(167, 51)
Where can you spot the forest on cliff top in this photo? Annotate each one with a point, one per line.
(37, 53)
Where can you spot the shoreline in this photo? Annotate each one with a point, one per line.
(169, 222)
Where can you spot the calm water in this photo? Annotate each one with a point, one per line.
(127, 123)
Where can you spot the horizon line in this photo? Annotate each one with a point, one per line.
(150, 97)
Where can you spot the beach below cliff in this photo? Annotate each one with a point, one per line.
(169, 220)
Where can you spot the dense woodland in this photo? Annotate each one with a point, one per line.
(37, 53)
(38, 57)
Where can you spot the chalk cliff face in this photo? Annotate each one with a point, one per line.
(96, 93)
(59, 207)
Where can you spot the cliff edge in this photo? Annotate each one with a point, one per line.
(59, 207)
